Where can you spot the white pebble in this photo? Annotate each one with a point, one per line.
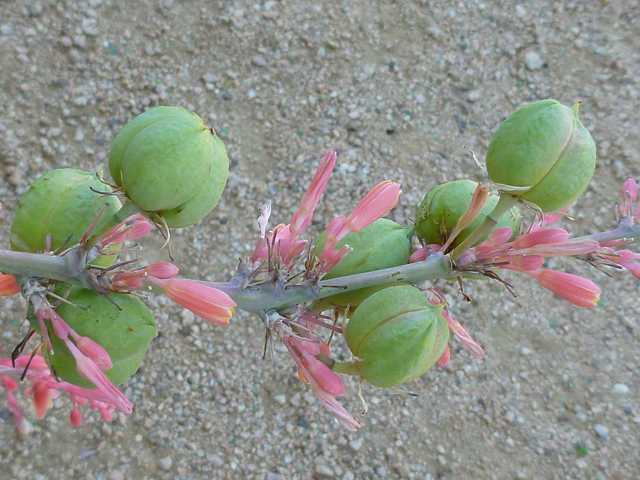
(166, 463)
(533, 61)
(601, 430)
(620, 389)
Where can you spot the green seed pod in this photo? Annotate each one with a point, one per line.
(543, 146)
(61, 203)
(125, 334)
(397, 334)
(442, 207)
(169, 162)
(383, 244)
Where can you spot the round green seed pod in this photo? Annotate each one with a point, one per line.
(61, 203)
(444, 204)
(125, 334)
(170, 163)
(543, 146)
(383, 244)
(397, 335)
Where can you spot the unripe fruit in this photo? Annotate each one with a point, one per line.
(444, 204)
(61, 203)
(125, 334)
(397, 335)
(169, 162)
(543, 146)
(383, 244)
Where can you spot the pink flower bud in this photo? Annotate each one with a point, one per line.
(527, 263)
(209, 303)
(500, 235)
(376, 204)
(163, 270)
(540, 237)
(9, 383)
(95, 352)
(630, 190)
(443, 361)
(75, 417)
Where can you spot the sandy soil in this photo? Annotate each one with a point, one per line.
(398, 89)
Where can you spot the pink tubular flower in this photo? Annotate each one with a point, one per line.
(541, 237)
(479, 198)
(89, 370)
(8, 285)
(75, 417)
(95, 352)
(500, 235)
(42, 398)
(629, 196)
(443, 361)
(45, 388)
(207, 302)
(132, 228)
(126, 281)
(466, 339)
(325, 383)
(10, 386)
(377, 203)
(303, 215)
(573, 288)
(525, 263)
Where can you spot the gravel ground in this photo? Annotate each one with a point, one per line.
(398, 89)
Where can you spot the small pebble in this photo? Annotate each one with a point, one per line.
(166, 463)
(474, 96)
(324, 471)
(533, 61)
(525, 351)
(356, 444)
(601, 430)
(620, 389)
(35, 9)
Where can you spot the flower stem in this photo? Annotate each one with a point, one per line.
(346, 368)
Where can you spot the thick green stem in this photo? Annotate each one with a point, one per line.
(21, 264)
(504, 204)
(436, 266)
(265, 297)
